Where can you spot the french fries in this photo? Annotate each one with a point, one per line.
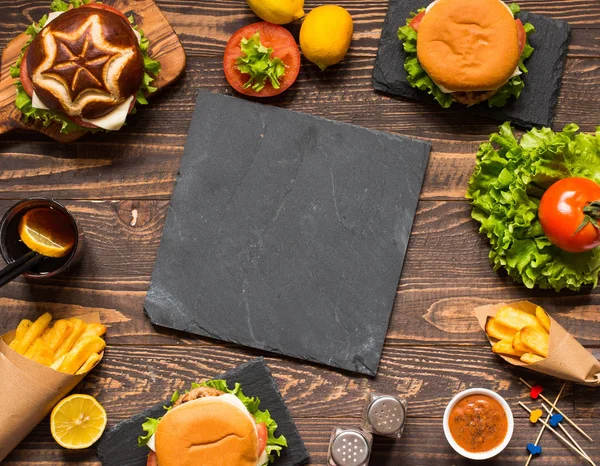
(520, 334)
(69, 345)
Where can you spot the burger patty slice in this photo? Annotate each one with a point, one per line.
(196, 393)
(473, 97)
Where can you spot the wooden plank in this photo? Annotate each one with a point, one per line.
(141, 160)
(446, 275)
(205, 26)
(132, 378)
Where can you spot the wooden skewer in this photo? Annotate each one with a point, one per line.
(564, 415)
(537, 440)
(549, 411)
(555, 432)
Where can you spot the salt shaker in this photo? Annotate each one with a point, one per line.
(384, 415)
(349, 447)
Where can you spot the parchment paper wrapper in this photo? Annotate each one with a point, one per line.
(28, 391)
(567, 359)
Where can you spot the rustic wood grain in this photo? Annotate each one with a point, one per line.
(132, 378)
(118, 187)
(446, 275)
(141, 160)
(165, 47)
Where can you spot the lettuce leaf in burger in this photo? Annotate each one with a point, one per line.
(212, 424)
(85, 66)
(468, 52)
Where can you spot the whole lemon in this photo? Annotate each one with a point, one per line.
(326, 34)
(277, 11)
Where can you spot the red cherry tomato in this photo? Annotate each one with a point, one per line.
(152, 459)
(102, 6)
(416, 21)
(263, 435)
(522, 36)
(284, 47)
(561, 214)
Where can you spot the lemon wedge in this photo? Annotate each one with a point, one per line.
(77, 422)
(47, 232)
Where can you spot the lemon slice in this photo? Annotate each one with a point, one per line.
(47, 232)
(77, 422)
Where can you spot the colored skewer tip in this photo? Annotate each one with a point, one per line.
(534, 449)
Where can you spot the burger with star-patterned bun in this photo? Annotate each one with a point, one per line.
(85, 67)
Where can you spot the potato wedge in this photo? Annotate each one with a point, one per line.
(514, 318)
(43, 354)
(531, 358)
(66, 346)
(496, 330)
(37, 344)
(543, 318)
(35, 331)
(21, 331)
(89, 364)
(55, 336)
(518, 344)
(506, 347)
(536, 339)
(80, 353)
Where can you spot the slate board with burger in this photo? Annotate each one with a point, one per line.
(238, 418)
(485, 57)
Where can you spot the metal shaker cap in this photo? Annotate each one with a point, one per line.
(350, 448)
(386, 414)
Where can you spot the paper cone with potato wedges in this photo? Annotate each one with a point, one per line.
(552, 351)
(29, 388)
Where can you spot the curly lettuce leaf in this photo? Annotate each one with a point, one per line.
(418, 78)
(257, 62)
(274, 444)
(510, 177)
(46, 117)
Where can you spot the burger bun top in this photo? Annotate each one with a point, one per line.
(467, 45)
(215, 430)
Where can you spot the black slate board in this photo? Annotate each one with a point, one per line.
(287, 233)
(535, 106)
(118, 447)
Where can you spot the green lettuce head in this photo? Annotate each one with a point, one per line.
(510, 178)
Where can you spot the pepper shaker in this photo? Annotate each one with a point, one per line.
(349, 447)
(384, 415)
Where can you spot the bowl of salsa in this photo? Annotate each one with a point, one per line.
(478, 423)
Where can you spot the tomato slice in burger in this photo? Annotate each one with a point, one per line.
(521, 35)
(416, 21)
(102, 6)
(263, 434)
(271, 36)
(24, 76)
(152, 459)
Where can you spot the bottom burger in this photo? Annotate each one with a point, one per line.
(212, 425)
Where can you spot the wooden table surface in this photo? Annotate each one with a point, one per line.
(119, 186)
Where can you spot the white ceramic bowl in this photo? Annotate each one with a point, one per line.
(486, 454)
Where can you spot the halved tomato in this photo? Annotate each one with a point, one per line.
(416, 21)
(522, 36)
(102, 6)
(272, 36)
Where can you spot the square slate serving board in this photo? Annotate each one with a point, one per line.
(287, 233)
(535, 106)
(118, 447)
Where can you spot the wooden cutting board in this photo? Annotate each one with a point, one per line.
(164, 47)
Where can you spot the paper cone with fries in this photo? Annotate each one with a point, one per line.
(40, 364)
(524, 335)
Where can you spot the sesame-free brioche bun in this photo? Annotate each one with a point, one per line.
(208, 431)
(468, 45)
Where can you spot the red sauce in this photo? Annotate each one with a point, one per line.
(478, 423)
